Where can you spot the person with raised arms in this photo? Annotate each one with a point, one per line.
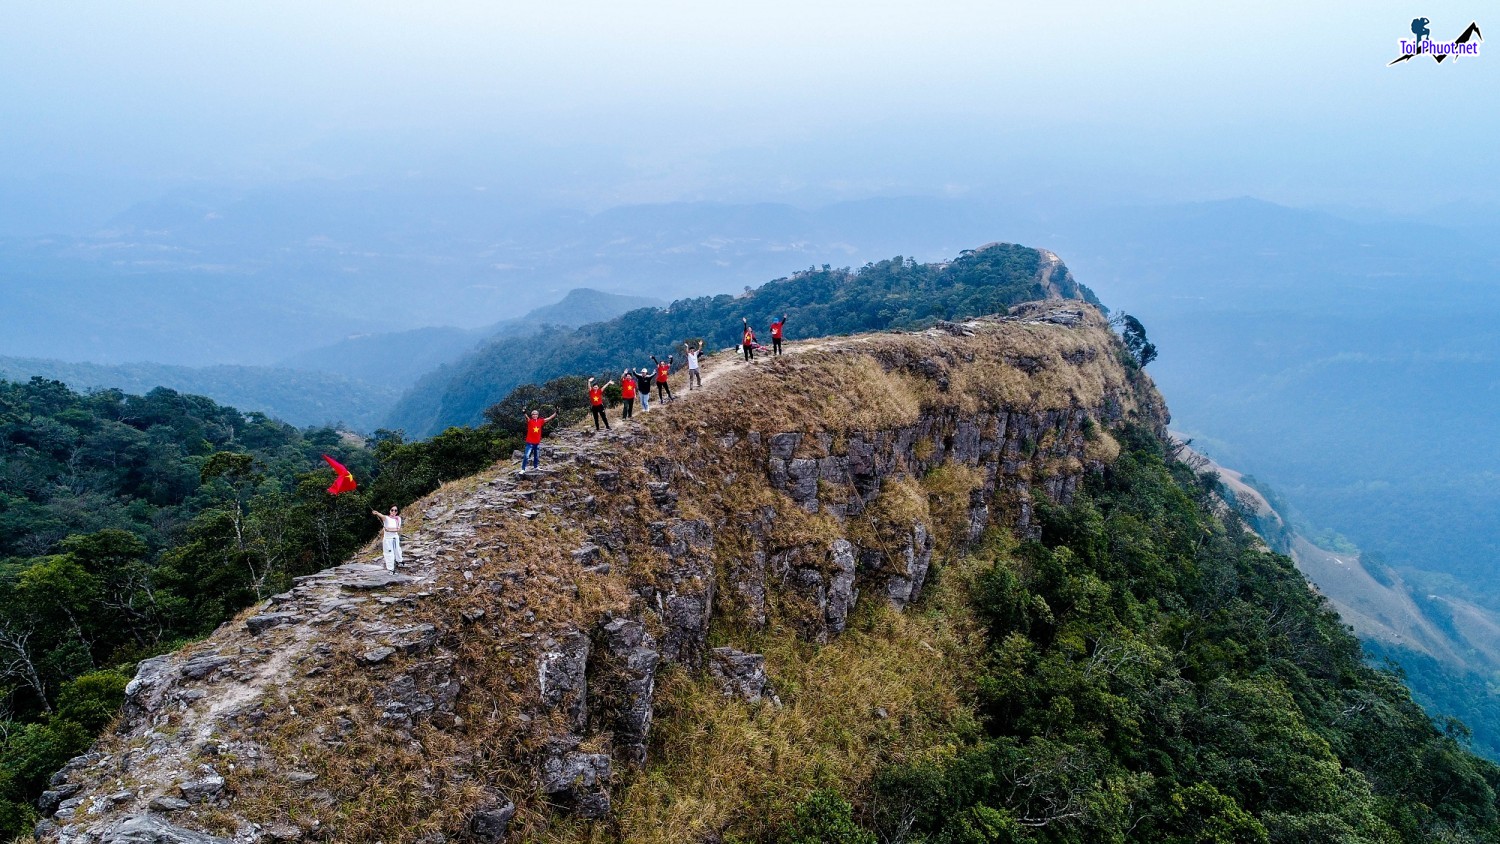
(747, 340)
(694, 376)
(596, 404)
(643, 384)
(663, 369)
(776, 328)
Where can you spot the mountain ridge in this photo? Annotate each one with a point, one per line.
(577, 574)
(896, 293)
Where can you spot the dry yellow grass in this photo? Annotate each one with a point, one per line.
(1101, 447)
(722, 766)
(888, 380)
(948, 488)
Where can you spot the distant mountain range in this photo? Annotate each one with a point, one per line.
(398, 359)
(354, 382)
(254, 277)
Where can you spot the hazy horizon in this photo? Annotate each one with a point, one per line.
(592, 105)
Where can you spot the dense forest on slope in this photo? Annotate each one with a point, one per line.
(1443, 647)
(1154, 674)
(1468, 696)
(130, 524)
(897, 293)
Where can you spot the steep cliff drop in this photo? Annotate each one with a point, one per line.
(510, 671)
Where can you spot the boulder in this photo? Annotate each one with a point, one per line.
(626, 677)
(914, 561)
(741, 675)
(783, 445)
(841, 591)
(258, 624)
(802, 482)
(143, 695)
(490, 822)
(375, 656)
(52, 797)
(427, 691)
(201, 666)
(153, 829)
(282, 832)
(562, 676)
(587, 555)
(206, 787)
(580, 781)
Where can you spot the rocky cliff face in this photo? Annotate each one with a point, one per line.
(509, 671)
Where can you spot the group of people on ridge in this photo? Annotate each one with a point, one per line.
(637, 384)
(633, 385)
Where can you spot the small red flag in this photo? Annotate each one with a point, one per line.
(343, 479)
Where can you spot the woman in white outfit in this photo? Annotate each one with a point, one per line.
(391, 544)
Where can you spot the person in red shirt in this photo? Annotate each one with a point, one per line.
(747, 341)
(663, 369)
(534, 423)
(627, 393)
(776, 335)
(596, 404)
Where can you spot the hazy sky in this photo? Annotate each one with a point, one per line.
(593, 103)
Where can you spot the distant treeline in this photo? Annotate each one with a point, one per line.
(898, 293)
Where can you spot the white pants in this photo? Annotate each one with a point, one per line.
(392, 550)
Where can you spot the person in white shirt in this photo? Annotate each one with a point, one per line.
(390, 545)
(692, 367)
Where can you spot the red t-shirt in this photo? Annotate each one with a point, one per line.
(596, 396)
(662, 370)
(749, 337)
(627, 388)
(776, 330)
(534, 430)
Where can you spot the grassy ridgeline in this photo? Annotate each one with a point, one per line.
(898, 293)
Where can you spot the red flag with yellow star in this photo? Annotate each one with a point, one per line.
(343, 478)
